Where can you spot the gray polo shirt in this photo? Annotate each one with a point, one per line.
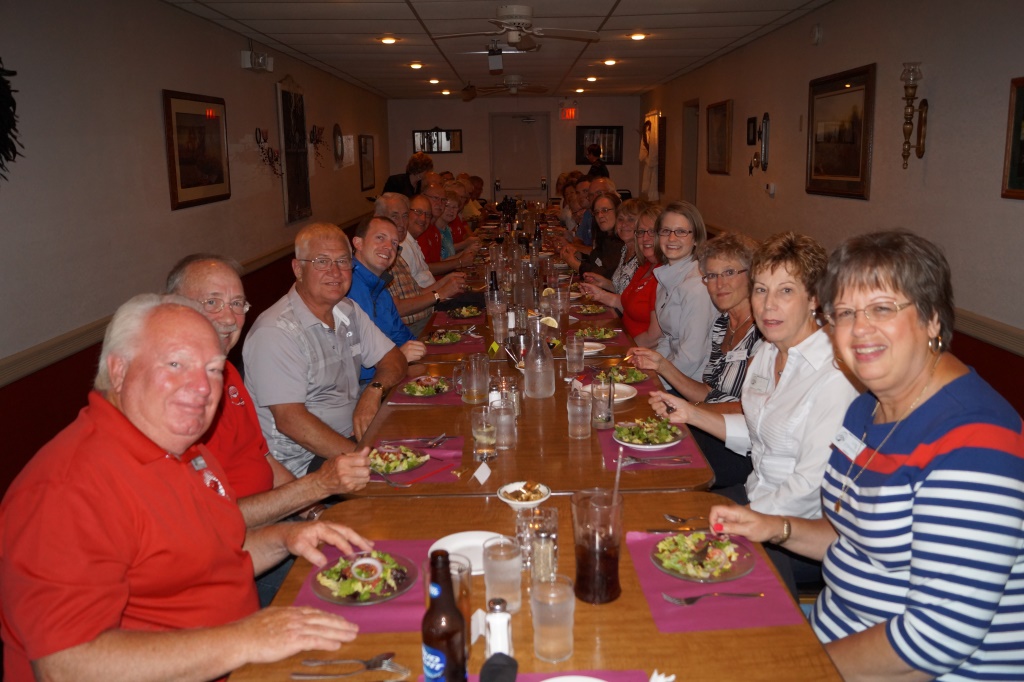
(292, 357)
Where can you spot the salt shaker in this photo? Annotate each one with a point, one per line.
(543, 564)
(498, 628)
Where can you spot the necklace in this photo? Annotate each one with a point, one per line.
(875, 451)
(730, 334)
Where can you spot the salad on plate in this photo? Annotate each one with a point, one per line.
(442, 337)
(394, 459)
(464, 312)
(679, 555)
(649, 431)
(597, 333)
(623, 375)
(426, 386)
(366, 577)
(590, 309)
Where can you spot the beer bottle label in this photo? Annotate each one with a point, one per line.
(434, 663)
(435, 590)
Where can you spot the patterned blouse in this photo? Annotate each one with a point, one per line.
(724, 372)
(624, 273)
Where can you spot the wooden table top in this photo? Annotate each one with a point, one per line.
(543, 452)
(620, 635)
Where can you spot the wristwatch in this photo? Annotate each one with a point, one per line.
(787, 529)
(437, 297)
(378, 385)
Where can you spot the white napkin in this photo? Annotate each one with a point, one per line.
(659, 677)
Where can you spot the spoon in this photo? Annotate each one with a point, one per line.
(671, 518)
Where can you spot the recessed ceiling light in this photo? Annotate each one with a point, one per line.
(579, 89)
(638, 36)
(446, 92)
(434, 81)
(388, 40)
(416, 65)
(591, 79)
(609, 62)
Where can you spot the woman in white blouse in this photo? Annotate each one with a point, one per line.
(793, 396)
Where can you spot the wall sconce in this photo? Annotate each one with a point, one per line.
(271, 156)
(911, 76)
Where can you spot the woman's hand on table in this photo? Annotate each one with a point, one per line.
(345, 473)
(598, 294)
(275, 633)
(599, 281)
(742, 520)
(451, 285)
(668, 406)
(647, 359)
(303, 539)
(413, 350)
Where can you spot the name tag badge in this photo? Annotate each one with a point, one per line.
(848, 444)
(738, 355)
(759, 384)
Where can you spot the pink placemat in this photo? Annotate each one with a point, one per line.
(608, 314)
(404, 613)
(686, 447)
(443, 319)
(399, 397)
(467, 344)
(606, 675)
(437, 470)
(715, 613)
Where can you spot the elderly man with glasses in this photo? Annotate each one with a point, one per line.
(303, 357)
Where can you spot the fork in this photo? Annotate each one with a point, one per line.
(388, 480)
(690, 601)
(628, 460)
(427, 442)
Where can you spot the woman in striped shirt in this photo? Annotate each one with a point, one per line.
(922, 541)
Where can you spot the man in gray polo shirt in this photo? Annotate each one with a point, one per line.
(303, 356)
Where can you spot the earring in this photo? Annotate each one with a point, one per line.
(935, 345)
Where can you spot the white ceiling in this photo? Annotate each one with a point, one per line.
(342, 37)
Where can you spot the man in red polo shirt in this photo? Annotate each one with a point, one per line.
(122, 550)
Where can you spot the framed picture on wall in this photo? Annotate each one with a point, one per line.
(366, 169)
(196, 136)
(437, 141)
(295, 150)
(1013, 165)
(608, 137)
(719, 136)
(840, 126)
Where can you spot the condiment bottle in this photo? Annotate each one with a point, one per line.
(498, 628)
(540, 365)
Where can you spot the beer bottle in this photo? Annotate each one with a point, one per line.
(444, 650)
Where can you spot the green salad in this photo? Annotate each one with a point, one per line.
(598, 333)
(394, 459)
(440, 337)
(426, 386)
(676, 553)
(359, 580)
(589, 309)
(464, 312)
(623, 375)
(650, 431)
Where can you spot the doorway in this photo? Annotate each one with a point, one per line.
(691, 144)
(520, 155)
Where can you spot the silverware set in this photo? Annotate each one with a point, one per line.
(629, 460)
(378, 662)
(425, 443)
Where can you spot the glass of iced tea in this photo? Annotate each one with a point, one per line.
(597, 533)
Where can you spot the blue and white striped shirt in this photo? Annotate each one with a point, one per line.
(931, 535)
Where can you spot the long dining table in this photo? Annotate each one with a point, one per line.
(724, 638)
(719, 638)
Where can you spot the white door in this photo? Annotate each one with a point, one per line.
(520, 154)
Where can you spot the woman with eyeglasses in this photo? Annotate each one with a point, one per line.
(636, 301)
(793, 395)
(922, 542)
(725, 264)
(683, 313)
(625, 229)
(604, 256)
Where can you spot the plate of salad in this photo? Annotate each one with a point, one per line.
(623, 375)
(590, 309)
(365, 578)
(652, 433)
(464, 312)
(427, 386)
(395, 459)
(597, 333)
(442, 337)
(725, 560)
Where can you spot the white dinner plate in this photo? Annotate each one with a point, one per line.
(469, 544)
(592, 347)
(573, 678)
(623, 392)
(649, 448)
(561, 266)
(573, 295)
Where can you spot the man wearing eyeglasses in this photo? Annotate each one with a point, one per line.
(303, 356)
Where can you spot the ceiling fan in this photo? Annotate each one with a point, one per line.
(511, 84)
(515, 22)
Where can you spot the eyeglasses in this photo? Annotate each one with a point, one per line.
(724, 274)
(602, 211)
(651, 231)
(678, 234)
(398, 217)
(343, 263)
(420, 212)
(878, 312)
(214, 305)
